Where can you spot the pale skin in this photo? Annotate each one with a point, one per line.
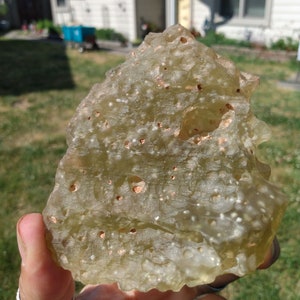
(42, 279)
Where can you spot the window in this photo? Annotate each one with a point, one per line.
(255, 12)
(255, 8)
(61, 3)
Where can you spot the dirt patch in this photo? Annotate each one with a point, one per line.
(21, 103)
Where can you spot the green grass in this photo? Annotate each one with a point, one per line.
(40, 88)
(280, 109)
(42, 84)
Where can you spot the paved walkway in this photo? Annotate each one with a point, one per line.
(112, 46)
(289, 85)
(21, 35)
(117, 47)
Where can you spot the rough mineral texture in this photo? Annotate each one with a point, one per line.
(160, 185)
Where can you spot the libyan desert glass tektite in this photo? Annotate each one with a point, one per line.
(160, 185)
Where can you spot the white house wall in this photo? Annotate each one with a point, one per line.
(199, 13)
(284, 22)
(286, 18)
(114, 14)
(121, 15)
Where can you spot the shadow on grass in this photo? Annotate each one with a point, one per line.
(30, 66)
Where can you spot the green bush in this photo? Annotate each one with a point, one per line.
(110, 35)
(3, 9)
(47, 24)
(214, 38)
(287, 44)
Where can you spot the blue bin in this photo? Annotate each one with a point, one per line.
(77, 34)
(68, 33)
(81, 32)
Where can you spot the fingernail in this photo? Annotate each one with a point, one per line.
(275, 250)
(21, 244)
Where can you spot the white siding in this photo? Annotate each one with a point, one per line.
(284, 21)
(61, 15)
(118, 15)
(199, 12)
(283, 17)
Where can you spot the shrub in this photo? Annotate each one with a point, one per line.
(3, 9)
(110, 35)
(287, 44)
(214, 38)
(47, 24)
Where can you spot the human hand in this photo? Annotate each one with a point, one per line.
(42, 279)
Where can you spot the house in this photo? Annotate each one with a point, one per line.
(21, 12)
(124, 16)
(260, 21)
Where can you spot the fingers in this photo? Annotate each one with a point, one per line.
(272, 255)
(112, 292)
(185, 293)
(41, 278)
(221, 281)
(102, 292)
(204, 292)
(211, 297)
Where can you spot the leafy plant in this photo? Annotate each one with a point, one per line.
(3, 9)
(287, 44)
(215, 38)
(110, 34)
(47, 24)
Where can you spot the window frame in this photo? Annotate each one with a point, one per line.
(243, 20)
(64, 5)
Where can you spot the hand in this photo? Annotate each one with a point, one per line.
(42, 279)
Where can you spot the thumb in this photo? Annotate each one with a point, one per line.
(41, 278)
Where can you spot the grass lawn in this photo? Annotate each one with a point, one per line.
(42, 84)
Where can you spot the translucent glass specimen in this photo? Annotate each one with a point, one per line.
(160, 185)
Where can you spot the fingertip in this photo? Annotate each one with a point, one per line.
(29, 225)
(272, 255)
(41, 277)
(30, 229)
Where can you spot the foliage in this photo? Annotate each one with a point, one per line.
(3, 9)
(214, 38)
(110, 34)
(137, 42)
(47, 24)
(287, 44)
